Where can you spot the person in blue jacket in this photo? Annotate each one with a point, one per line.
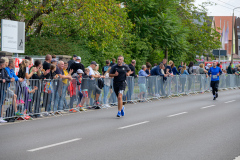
(214, 73)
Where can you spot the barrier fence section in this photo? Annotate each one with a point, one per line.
(36, 98)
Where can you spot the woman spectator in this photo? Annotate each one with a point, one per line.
(174, 69)
(142, 82)
(24, 74)
(148, 70)
(169, 68)
(183, 77)
(106, 88)
(190, 78)
(203, 75)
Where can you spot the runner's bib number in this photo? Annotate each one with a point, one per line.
(215, 76)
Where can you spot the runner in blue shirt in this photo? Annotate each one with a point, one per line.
(214, 73)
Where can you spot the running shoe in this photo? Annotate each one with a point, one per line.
(18, 113)
(83, 109)
(214, 98)
(72, 110)
(122, 111)
(119, 114)
(216, 95)
(79, 106)
(2, 120)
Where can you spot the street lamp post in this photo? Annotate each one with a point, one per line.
(232, 33)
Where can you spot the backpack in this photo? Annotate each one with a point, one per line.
(100, 83)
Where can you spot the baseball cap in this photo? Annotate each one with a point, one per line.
(78, 58)
(74, 55)
(53, 60)
(93, 62)
(80, 71)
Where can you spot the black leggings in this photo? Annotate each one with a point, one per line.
(214, 85)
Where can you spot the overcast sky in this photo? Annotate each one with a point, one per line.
(222, 7)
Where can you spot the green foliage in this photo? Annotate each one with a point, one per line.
(98, 30)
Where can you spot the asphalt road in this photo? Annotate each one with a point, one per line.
(182, 128)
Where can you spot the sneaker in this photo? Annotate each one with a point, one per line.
(79, 106)
(72, 110)
(214, 98)
(119, 114)
(83, 109)
(97, 107)
(96, 103)
(216, 95)
(18, 113)
(2, 120)
(122, 111)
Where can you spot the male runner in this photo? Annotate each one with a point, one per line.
(120, 72)
(214, 73)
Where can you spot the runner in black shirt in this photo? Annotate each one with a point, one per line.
(119, 72)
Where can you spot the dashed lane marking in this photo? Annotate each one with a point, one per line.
(53, 145)
(176, 114)
(230, 101)
(208, 107)
(134, 125)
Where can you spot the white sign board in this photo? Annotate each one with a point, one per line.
(13, 36)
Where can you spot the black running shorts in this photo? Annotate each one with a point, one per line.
(119, 87)
(214, 84)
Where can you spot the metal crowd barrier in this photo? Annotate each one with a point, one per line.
(36, 98)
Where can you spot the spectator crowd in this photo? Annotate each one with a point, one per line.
(82, 84)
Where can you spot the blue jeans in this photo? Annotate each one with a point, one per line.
(80, 95)
(49, 97)
(63, 98)
(2, 98)
(56, 101)
(105, 91)
(130, 83)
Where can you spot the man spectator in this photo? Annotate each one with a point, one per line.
(229, 69)
(4, 79)
(77, 65)
(58, 86)
(47, 64)
(159, 71)
(10, 70)
(164, 62)
(70, 62)
(93, 86)
(113, 62)
(180, 67)
(130, 81)
(105, 68)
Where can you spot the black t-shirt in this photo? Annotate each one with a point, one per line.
(46, 66)
(75, 66)
(133, 70)
(122, 70)
(104, 69)
(112, 64)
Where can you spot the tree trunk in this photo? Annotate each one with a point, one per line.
(166, 54)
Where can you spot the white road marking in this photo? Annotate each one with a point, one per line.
(53, 145)
(237, 158)
(134, 125)
(230, 101)
(207, 107)
(177, 114)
